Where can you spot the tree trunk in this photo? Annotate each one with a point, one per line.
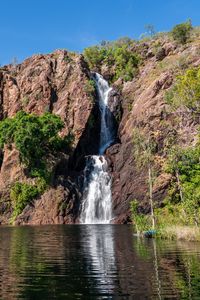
(179, 185)
(151, 197)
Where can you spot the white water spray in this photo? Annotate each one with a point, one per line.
(97, 200)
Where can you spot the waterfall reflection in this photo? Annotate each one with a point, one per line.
(100, 256)
(95, 262)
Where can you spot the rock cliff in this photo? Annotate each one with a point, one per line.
(57, 83)
(144, 107)
(54, 83)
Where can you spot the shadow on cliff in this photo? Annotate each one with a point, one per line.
(89, 142)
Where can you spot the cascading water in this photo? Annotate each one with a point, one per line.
(97, 201)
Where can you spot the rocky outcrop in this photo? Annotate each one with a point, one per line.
(55, 83)
(56, 206)
(144, 106)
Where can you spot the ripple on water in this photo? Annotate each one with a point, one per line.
(95, 262)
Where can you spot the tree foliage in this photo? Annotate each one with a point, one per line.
(181, 32)
(23, 193)
(34, 136)
(186, 91)
(185, 163)
(182, 205)
(117, 54)
(144, 147)
(142, 222)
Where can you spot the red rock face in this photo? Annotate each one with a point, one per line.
(56, 83)
(144, 106)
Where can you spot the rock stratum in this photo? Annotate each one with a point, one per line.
(57, 83)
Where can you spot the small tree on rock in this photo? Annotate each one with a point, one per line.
(181, 32)
(143, 151)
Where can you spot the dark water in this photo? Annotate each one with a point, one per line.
(95, 262)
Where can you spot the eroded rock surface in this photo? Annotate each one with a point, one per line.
(56, 83)
(144, 106)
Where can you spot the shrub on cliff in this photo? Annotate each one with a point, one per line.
(184, 166)
(182, 205)
(116, 55)
(90, 88)
(125, 62)
(186, 91)
(35, 137)
(31, 134)
(181, 32)
(95, 55)
(23, 193)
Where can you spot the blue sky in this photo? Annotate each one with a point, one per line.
(41, 26)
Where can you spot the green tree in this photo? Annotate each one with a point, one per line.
(173, 166)
(125, 63)
(150, 29)
(118, 55)
(34, 136)
(186, 91)
(21, 194)
(95, 55)
(143, 151)
(184, 165)
(37, 139)
(181, 32)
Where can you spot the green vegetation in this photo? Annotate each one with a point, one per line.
(90, 88)
(141, 221)
(143, 150)
(34, 137)
(37, 139)
(22, 194)
(186, 91)
(122, 58)
(181, 32)
(182, 204)
(117, 55)
(183, 201)
(179, 232)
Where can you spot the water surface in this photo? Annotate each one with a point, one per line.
(95, 262)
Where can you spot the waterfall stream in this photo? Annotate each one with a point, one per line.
(97, 200)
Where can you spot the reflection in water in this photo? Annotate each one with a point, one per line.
(156, 269)
(100, 255)
(95, 262)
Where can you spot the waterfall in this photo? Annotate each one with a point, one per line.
(96, 205)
